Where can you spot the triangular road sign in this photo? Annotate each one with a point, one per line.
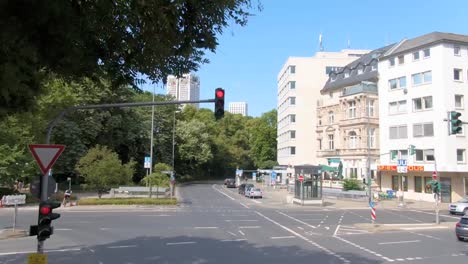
(46, 155)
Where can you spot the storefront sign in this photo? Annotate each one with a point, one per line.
(394, 168)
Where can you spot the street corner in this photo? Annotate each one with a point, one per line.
(10, 234)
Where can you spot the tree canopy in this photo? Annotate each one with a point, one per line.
(119, 40)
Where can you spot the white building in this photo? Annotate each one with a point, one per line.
(299, 83)
(238, 108)
(421, 79)
(185, 88)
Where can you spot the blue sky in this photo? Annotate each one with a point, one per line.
(249, 58)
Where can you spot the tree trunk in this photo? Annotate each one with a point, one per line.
(150, 190)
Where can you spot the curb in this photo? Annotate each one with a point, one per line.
(9, 234)
(375, 228)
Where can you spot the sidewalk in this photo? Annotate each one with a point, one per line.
(278, 197)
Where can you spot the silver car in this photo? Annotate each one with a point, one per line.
(254, 193)
(461, 229)
(460, 207)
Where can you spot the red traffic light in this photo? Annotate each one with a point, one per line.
(219, 93)
(45, 210)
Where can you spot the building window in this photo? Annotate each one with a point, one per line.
(374, 66)
(423, 103)
(423, 155)
(397, 83)
(427, 184)
(332, 77)
(404, 183)
(352, 140)
(331, 143)
(398, 132)
(292, 118)
(457, 74)
(416, 55)
(417, 184)
(427, 53)
(331, 117)
(422, 78)
(391, 62)
(292, 134)
(460, 155)
(360, 70)
(459, 101)
(292, 100)
(320, 144)
(352, 109)
(292, 69)
(401, 60)
(423, 130)
(456, 51)
(346, 74)
(371, 135)
(398, 107)
(292, 85)
(370, 108)
(395, 182)
(403, 153)
(292, 150)
(330, 95)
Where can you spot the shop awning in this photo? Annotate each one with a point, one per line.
(328, 168)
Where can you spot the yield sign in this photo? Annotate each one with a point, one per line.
(46, 155)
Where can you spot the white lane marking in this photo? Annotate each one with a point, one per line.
(424, 227)
(282, 237)
(45, 251)
(241, 220)
(232, 233)
(255, 201)
(155, 215)
(213, 186)
(127, 246)
(424, 235)
(365, 249)
(233, 240)
(305, 239)
(301, 228)
(404, 216)
(327, 228)
(62, 229)
(399, 242)
(245, 227)
(242, 233)
(297, 220)
(312, 219)
(336, 230)
(449, 216)
(206, 227)
(180, 243)
(244, 205)
(422, 224)
(104, 228)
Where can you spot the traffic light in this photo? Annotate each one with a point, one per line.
(412, 149)
(219, 103)
(46, 216)
(455, 123)
(435, 187)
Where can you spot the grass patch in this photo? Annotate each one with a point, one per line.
(127, 201)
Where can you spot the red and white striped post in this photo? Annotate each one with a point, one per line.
(373, 214)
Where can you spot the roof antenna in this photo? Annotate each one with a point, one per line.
(321, 42)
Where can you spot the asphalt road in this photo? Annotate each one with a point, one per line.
(216, 225)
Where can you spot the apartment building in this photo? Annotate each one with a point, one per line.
(348, 119)
(184, 88)
(238, 108)
(299, 83)
(421, 80)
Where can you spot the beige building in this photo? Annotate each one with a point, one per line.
(348, 120)
(299, 83)
(185, 88)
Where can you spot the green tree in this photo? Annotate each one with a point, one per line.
(102, 169)
(113, 39)
(157, 178)
(263, 145)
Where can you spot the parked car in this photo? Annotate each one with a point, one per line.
(460, 207)
(461, 228)
(225, 181)
(241, 188)
(255, 192)
(231, 183)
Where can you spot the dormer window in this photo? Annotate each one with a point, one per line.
(332, 77)
(360, 70)
(346, 74)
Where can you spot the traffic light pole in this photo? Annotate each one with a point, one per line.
(53, 123)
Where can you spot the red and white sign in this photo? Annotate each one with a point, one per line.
(300, 178)
(434, 175)
(46, 155)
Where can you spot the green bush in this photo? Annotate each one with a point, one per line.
(127, 201)
(351, 184)
(6, 191)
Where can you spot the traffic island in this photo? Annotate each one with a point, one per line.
(127, 201)
(9, 233)
(375, 228)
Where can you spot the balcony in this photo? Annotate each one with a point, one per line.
(360, 88)
(325, 153)
(328, 153)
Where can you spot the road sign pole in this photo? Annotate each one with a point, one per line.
(14, 217)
